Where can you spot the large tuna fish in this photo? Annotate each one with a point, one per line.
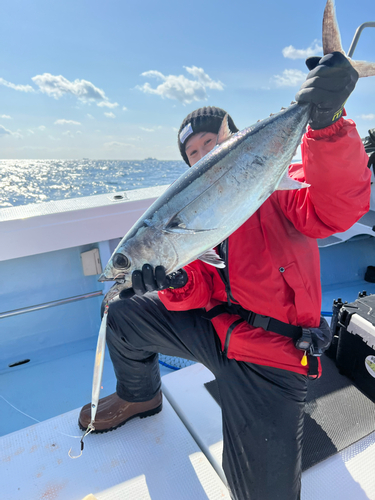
(221, 191)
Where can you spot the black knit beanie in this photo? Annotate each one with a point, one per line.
(207, 119)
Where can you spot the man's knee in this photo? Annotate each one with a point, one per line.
(121, 311)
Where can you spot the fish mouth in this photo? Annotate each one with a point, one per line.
(103, 277)
(119, 278)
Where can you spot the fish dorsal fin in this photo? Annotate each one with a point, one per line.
(287, 183)
(224, 131)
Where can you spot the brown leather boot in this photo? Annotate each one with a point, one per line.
(114, 412)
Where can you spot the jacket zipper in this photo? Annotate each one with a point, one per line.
(224, 273)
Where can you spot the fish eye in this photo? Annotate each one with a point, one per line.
(120, 261)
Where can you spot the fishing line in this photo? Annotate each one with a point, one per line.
(38, 421)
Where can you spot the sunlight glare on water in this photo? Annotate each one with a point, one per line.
(34, 181)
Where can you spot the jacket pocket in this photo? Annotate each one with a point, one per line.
(301, 297)
(229, 333)
(224, 325)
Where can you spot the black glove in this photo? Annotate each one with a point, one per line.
(328, 85)
(369, 144)
(321, 338)
(147, 281)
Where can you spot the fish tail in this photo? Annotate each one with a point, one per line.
(363, 68)
(331, 33)
(332, 41)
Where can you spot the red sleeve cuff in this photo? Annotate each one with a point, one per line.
(326, 132)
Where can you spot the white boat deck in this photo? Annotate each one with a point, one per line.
(153, 458)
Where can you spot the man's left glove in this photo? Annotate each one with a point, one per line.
(369, 144)
(149, 280)
(328, 85)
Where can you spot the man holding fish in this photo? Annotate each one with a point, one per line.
(249, 310)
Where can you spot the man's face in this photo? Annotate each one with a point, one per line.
(198, 145)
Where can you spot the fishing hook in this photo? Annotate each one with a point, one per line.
(89, 429)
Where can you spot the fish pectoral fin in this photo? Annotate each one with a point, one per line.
(175, 225)
(211, 257)
(287, 183)
(186, 230)
(224, 132)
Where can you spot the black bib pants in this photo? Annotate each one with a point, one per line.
(262, 407)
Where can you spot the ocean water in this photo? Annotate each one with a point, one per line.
(34, 181)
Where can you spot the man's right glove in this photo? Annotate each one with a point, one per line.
(328, 85)
(149, 280)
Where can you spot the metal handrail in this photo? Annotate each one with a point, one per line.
(47, 305)
(357, 35)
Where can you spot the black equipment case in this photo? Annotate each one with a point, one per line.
(355, 355)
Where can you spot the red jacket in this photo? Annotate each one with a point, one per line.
(273, 258)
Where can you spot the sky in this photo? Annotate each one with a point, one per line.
(114, 79)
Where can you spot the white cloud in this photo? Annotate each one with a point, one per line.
(90, 116)
(181, 88)
(124, 108)
(117, 145)
(42, 127)
(6, 117)
(147, 129)
(66, 122)
(290, 78)
(152, 129)
(155, 74)
(370, 116)
(203, 78)
(68, 133)
(4, 131)
(110, 115)
(35, 148)
(293, 53)
(56, 86)
(107, 104)
(21, 88)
